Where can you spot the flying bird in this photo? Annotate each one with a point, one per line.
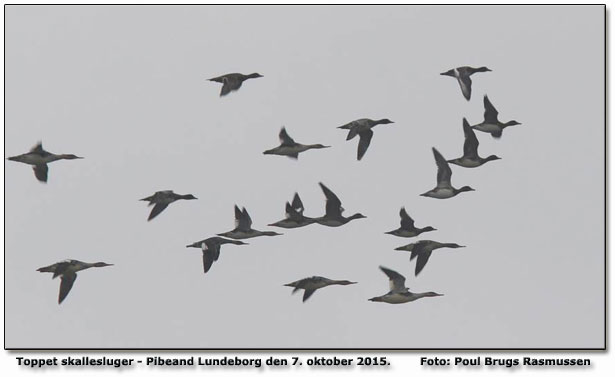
(161, 200)
(310, 285)
(422, 251)
(290, 148)
(491, 124)
(333, 210)
(39, 158)
(399, 293)
(363, 128)
(407, 228)
(294, 215)
(243, 227)
(67, 270)
(462, 74)
(232, 81)
(211, 249)
(444, 189)
(470, 158)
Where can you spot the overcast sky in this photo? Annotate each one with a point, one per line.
(125, 87)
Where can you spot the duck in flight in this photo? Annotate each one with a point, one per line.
(407, 228)
(294, 215)
(162, 199)
(232, 81)
(243, 227)
(491, 124)
(39, 158)
(444, 189)
(67, 270)
(462, 74)
(288, 147)
(333, 210)
(310, 285)
(399, 293)
(363, 128)
(470, 158)
(211, 249)
(422, 251)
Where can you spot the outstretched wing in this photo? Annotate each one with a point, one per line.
(285, 139)
(421, 261)
(465, 82)
(444, 171)
(334, 205)
(297, 204)
(307, 293)
(470, 145)
(231, 83)
(40, 172)
(397, 282)
(159, 207)
(65, 285)
(365, 137)
(491, 114)
(406, 221)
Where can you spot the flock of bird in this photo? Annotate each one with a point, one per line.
(333, 217)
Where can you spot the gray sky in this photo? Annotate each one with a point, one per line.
(126, 88)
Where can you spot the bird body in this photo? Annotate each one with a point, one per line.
(243, 227)
(470, 158)
(288, 147)
(407, 228)
(161, 199)
(399, 293)
(294, 215)
(39, 158)
(232, 81)
(491, 124)
(211, 249)
(462, 74)
(363, 128)
(333, 210)
(422, 251)
(311, 284)
(67, 270)
(444, 189)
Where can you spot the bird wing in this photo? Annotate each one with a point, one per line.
(444, 171)
(470, 145)
(365, 137)
(292, 213)
(40, 172)
(285, 139)
(465, 82)
(334, 205)
(307, 293)
(242, 219)
(159, 207)
(297, 203)
(491, 114)
(406, 221)
(231, 83)
(397, 282)
(65, 285)
(421, 261)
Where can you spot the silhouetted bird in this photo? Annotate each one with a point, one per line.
(67, 270)
(462, 74)
(232, 81)
(39, 158)
(398, 293)
(363, 128)
(162, 199)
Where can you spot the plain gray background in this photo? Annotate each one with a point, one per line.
(126, 88)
